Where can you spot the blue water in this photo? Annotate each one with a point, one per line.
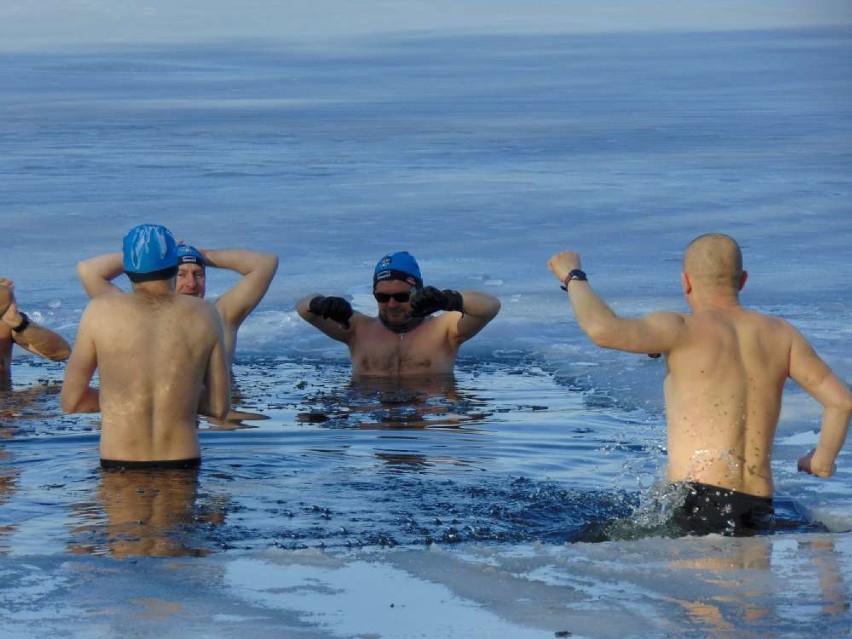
(482, 155)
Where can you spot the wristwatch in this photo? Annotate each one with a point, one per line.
(575, 274)
(25, 321)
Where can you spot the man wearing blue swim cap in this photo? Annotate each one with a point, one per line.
(18, 328)
(256, 270)
(160, 358)
(405, 338)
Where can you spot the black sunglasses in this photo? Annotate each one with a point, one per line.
(384, 298)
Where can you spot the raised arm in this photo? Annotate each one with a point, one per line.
(256, 269)
(811, 373)
(77, 396)
(97, 273)
(332, 315)
(478, 309)
(656, 332)
(27, 333)
(473, 309)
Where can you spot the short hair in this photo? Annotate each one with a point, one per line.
(714, 258)
(162, 274)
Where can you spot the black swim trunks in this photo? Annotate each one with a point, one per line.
(118, 464)
(710, 509)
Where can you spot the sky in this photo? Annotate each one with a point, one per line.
(27, 25)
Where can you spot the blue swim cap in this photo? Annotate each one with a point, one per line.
(187, 254)
(149, 248)
(398, 266)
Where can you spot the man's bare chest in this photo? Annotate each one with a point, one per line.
(404, 353)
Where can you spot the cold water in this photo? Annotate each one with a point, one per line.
(481, 155)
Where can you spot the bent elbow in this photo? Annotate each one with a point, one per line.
(840, 402)
(600, 335)
(221, 412)
(67, 405)
(846, 405)
(62, 353)
(496, 305)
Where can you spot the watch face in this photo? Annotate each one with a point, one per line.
(577, 274)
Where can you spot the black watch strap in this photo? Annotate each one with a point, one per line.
(575, 274)
(25, 321)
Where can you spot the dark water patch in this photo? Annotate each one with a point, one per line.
(658, 514)
(416, 510)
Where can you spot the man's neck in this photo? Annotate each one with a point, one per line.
(721, 300)
(411, 324)
(155, 287)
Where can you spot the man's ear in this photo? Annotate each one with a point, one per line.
(687, 285)
(743, 278)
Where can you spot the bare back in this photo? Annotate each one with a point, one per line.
(155, 353)
(723, 398)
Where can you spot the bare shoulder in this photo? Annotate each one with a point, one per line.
(107, 301)
(666, 317)
(771, 324)
(670, 323)
(196, 306)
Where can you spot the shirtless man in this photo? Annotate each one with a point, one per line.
(726, 369)
(256, 271)
(402, 340)
(17, 328)
(161, 358)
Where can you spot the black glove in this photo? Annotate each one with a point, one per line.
(429, 299)
(333, 308)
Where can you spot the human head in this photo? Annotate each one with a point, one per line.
(714, 261)
(396, 273)
(149, 253)
(192, 271)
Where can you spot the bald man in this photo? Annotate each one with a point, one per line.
(725, 372)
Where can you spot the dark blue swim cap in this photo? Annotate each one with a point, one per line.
(187, 254)
(149, 248)
(398, 266)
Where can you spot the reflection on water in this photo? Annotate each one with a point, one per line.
(147, 512)
(35, 402)
(9, 474)
(725, 604)
(407, 402)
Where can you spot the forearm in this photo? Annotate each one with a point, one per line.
(595, 317)
(87, 401)
(33, 337)
(215, 400)
(43, 342)
(97, 273)
(480, 304)
(832, 435)
(241, 261)
(212, 405)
